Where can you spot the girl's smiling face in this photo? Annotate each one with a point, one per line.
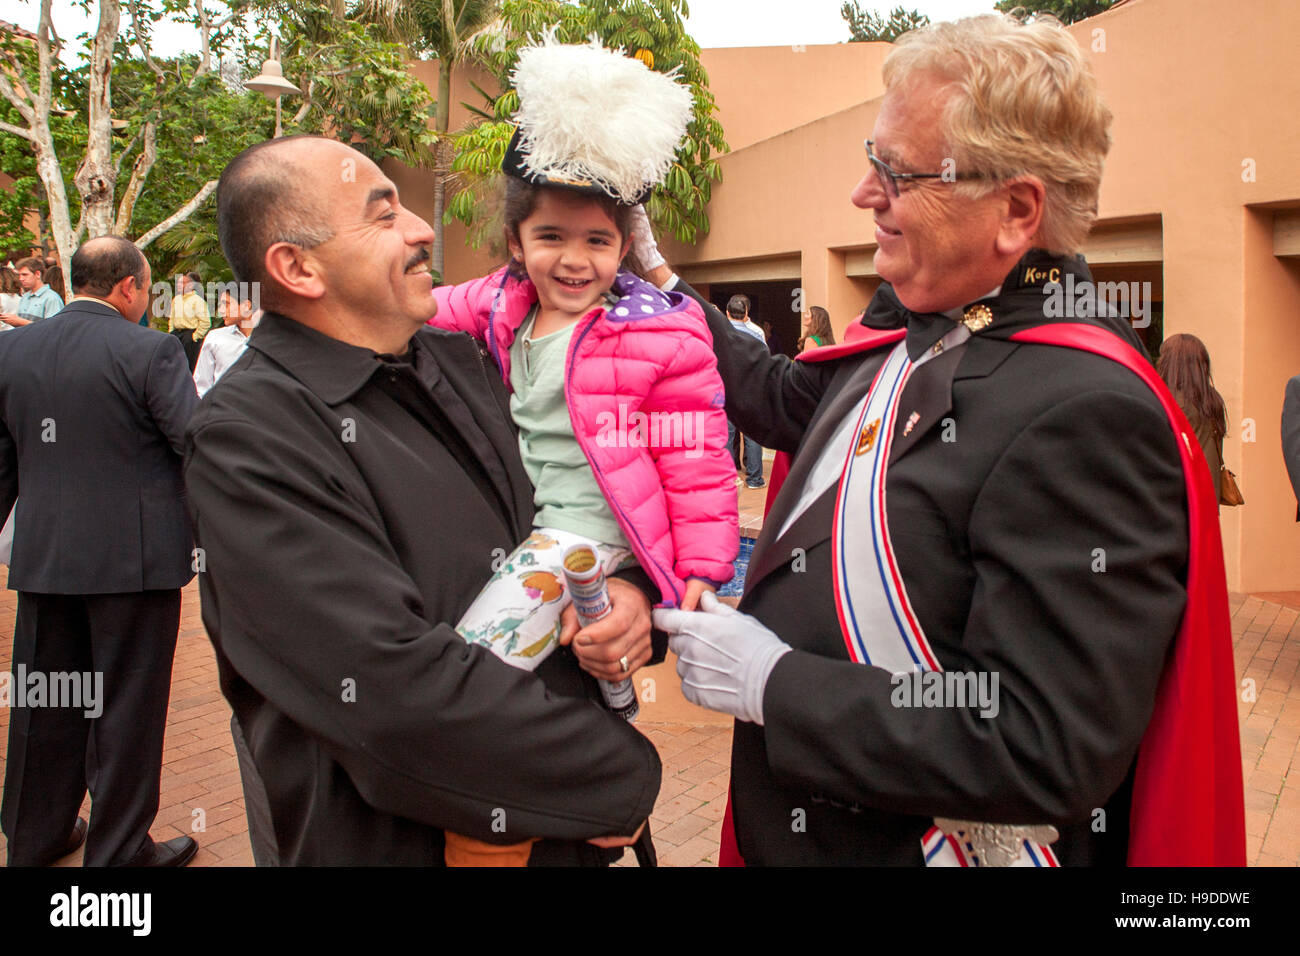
(571, 249)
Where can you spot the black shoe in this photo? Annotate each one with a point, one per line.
(176, 852)
(74, 839)
(756, 484)
(77, 837)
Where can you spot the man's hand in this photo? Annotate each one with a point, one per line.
(622, 634)
(724, 658)
(13, 319)
(613, 841)
(644, 246)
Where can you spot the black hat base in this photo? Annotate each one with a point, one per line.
(514, 165)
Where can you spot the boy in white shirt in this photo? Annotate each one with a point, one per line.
(223, 347)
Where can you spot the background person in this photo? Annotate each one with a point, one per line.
(1184, 364)
(223, 346)
(775, 342)
(38, 300)
(816, 330)
(188, 320)
(1291, 436)
(10, 294)
(738, 314)
(93, 410)
(54, 279)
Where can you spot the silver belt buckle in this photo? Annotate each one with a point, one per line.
(997, 844)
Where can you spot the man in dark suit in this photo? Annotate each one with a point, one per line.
(93, 411)
(1291, 436)
(959, 610)
(352, 479)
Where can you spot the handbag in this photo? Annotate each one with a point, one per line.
(1229, 493)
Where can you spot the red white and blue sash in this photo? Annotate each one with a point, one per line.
(876, 617)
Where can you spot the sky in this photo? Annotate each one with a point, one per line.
(713, 23)
(716, 23)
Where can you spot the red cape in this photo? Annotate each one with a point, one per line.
(1188, 804)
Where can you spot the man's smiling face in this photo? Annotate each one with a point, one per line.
(375, 265)
(935, 246)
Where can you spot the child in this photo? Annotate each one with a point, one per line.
(615, 386)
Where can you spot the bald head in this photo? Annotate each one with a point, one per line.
(322, 229)
(272, 192)
(100, 264)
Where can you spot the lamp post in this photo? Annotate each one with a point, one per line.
(272, 84)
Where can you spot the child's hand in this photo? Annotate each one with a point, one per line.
(694, 588)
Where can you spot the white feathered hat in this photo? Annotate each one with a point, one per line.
(594, 120)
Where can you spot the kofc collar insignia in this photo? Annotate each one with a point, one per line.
(977, 317)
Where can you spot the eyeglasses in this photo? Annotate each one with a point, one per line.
(889, 179)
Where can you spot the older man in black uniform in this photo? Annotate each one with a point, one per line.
(351, 479)
(1010, 514)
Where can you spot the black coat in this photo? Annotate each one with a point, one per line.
(342, 541)
(93, 411)
(1291, 436)
(1052, 454)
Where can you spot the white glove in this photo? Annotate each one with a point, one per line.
(643, 240)
(724, 658)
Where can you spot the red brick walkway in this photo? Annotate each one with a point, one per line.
(1267, 651)
(201, 793)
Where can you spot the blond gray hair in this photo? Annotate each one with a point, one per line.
(1025, 102)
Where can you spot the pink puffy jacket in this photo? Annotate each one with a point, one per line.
(646, 403)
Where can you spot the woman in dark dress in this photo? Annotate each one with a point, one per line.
(1184, 364)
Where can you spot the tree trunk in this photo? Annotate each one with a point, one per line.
(179, 216)
(441, 166)
(95, 177)
(51, 174)
(34, 107)
(139, 173)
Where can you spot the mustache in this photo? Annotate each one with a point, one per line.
(422, 255)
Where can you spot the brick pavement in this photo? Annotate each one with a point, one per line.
(1266, 646)
(201, 794)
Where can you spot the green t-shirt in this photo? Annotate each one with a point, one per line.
(565, 494)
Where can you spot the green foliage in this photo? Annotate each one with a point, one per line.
(680, 204)
(26, 193)
(866, 26)
(357, 84)
(200, 123)
(361, 92)
(18, 159)
(191, 246)
(422, 27)
(1067, 11)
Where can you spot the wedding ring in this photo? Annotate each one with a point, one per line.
(622, 662)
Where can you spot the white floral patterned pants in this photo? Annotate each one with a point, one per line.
(517, 614)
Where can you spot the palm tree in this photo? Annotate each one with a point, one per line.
(441, 28)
